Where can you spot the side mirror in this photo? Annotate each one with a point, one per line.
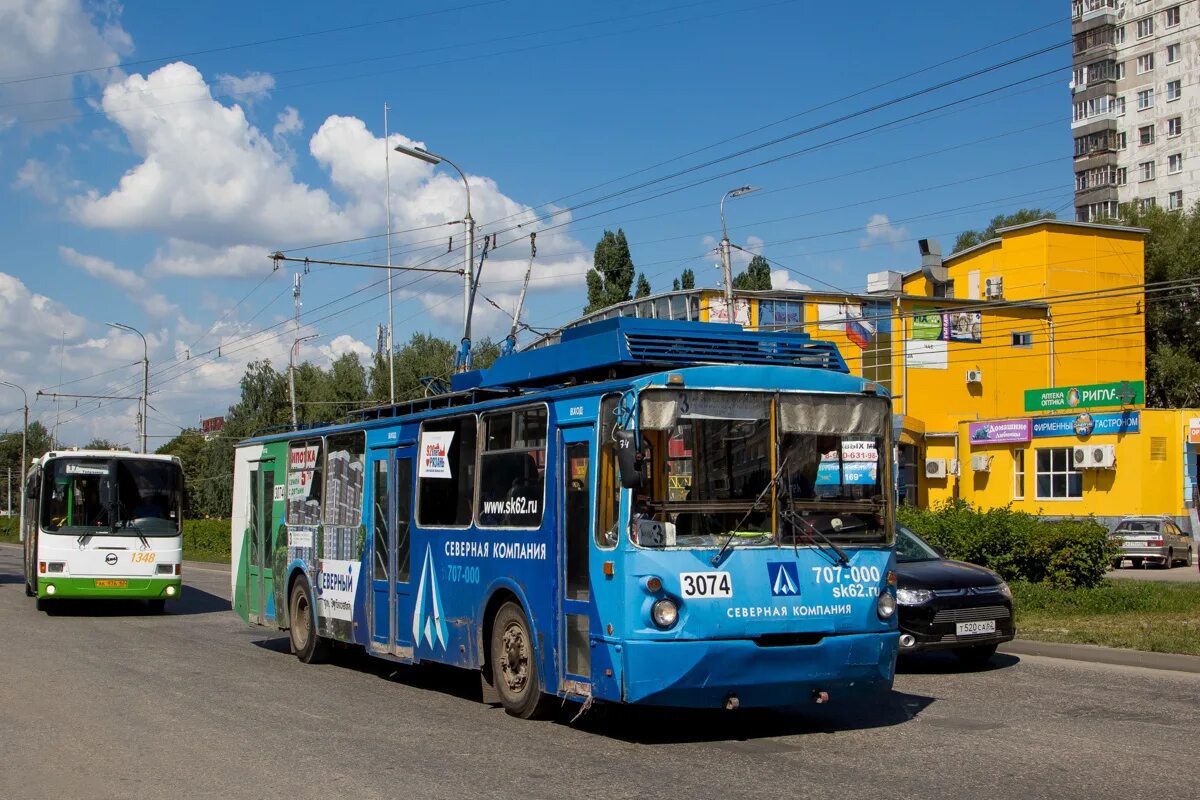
(628, 464)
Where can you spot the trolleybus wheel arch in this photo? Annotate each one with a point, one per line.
(302, 625)
(514, 664)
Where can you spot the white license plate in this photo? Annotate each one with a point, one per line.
(975, 628)
(705, 585)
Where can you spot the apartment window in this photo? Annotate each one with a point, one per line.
(1081, 183)
(1122, 176)
(1119, 106)
(1145, 63)
(1145, 99)
(1145, 27)
(1122, 140)
(1146, 203)
(1119, 35)
(1174, 126)
(1022, 339)
(1173, 53)
(1172, 16)
(1056, 478)
(1175, 200)
(1174, 163)
(1146, 134)
(1018, 474)
(1147, 171)
(1174, 90)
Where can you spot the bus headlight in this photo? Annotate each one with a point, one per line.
(50, 588)
(885, 606)
(664, 612)
(170, 591)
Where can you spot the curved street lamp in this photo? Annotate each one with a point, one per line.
(726, 266)
(145, 377)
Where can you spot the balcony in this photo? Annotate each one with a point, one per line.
(1087, 10)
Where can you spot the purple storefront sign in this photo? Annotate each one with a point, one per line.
(1001, 431)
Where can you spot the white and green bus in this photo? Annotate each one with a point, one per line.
(103, 525)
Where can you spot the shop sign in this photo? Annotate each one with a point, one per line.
(1194, 430)
(1096, 395)
(1085, 424)
(1001, 431)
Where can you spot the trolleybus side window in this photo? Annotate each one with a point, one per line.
(512, 468)
(345, 465)
(304, 482)
(608, 497)
(446, 472)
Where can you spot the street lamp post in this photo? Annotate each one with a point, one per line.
(292, 372)
(24, 465)
(469, 261)
(726, 266)
(145, 408)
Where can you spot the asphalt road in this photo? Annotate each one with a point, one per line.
(119, 704)
(1189, 574)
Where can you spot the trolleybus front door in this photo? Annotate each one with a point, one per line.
(260, 586)
(575, 502)
(391, 487)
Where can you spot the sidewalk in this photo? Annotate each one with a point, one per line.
(1103, 655)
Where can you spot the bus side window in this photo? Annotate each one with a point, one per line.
(608, 491)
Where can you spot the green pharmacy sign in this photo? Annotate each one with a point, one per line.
(1096, 395)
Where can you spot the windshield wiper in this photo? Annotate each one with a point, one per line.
(795, 519)
(733, 533)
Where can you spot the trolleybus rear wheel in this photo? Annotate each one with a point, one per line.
(514, 665)
(306, 644)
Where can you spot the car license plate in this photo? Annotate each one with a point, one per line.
(975, 628)
(111, 584)
(704, 585)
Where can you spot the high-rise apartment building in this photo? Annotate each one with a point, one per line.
(1135, 97)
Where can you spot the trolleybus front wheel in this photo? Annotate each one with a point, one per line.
(514, 665)
(302, 625)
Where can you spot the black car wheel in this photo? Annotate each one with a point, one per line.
(977, 655)
(1169, 561)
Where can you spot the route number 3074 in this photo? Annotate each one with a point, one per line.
(705, 585)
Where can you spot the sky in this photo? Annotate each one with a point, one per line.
(153, 156)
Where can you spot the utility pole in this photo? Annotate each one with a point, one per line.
(726, 265)
(144, 410)
(24, 461)
(292, 372)
(387, 165)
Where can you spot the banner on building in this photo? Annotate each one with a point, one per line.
(1095, 395)
(1001, 431)
(962, 326)
(925, 354)
(1085, 424)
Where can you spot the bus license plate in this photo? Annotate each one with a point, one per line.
(111, 584)
(704, 585)
(975, 628)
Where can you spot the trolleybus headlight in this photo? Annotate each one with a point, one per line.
(913, 597)
(885, 606)
(664, 613)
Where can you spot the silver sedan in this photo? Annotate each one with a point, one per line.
(1152, 539)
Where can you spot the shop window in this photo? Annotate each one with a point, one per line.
(304, 488)
(1018, 474)
(446, 472)
(1057, 479)
(512, 469)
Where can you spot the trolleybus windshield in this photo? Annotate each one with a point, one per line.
(147, 497)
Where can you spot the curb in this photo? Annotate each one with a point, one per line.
(1104, 655)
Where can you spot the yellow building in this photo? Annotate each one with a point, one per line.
(1016, 368)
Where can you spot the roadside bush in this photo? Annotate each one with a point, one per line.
(1019, 546)
(9, 529)
(206, 539)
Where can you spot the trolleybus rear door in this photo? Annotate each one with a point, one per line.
(575, 532)
(391, 503)
(260, 587)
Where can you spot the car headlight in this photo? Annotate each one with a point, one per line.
(664, 612)
(1004, 590)
(885, 606)
(913, 597)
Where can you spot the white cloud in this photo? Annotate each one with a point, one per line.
(181, 257)
(287, 123)
(879, 229)
(341, 345)
(248, 88)
(782, 279)
(28, 319)
(54, 37)
(132, 283)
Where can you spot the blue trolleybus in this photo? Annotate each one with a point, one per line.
(646, 511)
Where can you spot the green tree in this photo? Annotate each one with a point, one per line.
(756, 276)
(687, 280)
(611, 276)
(643, 286)
(675, 284)
(971, 238)
(38, 442)
(102, 444)
(1172, 334)
(190, 447)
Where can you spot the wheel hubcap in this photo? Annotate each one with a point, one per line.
(514, 658)
(302, 618)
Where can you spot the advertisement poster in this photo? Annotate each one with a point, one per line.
(1002, 431)
(335, 589)
(1083, 425)
(925, 354)
(1095, 395)
(962, 326)
(1194, 430)
(858, 466)
(302, 462)
(718, 313)
(926, 325)
(435, 454)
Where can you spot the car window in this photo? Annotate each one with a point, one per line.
(910, 547)
(1138, 526)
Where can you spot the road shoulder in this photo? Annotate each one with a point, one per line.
(1103, 655)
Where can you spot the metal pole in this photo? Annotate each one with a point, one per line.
(726, 267)
(387, 154)
(145, 403)
(24, 455)
(292, 372)
(10, 491)
(468, 256)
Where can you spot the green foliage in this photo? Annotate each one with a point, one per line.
(611, 276)
(643, 286)
(687, 280)
(206, 539)
(38, 442)
(675, 284)
(1018, 545)
(971, 238)
(9, 527)
(756, 276)
(103, 444)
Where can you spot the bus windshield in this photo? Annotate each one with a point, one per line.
(723, 473)
(147, 494)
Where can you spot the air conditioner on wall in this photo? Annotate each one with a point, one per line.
(935, 468)
(981, 463)
(993, 288)
(974, 376)
(1094, 456)
(952, 466)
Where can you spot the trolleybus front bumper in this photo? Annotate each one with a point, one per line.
(707, 673)
(110, 588)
